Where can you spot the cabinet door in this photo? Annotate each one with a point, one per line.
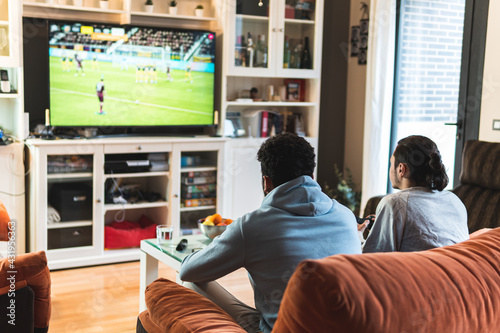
(299, 38)
(69, 180)
(10, 27)
(251, 38)
(197, 182)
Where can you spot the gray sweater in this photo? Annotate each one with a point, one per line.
(296, 221)
(417, 219)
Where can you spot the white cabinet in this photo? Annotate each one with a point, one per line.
(10, 28)
(275, 39)
(83, 179)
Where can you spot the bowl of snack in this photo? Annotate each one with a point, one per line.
(213, 225)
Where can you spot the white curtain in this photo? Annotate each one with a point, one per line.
(379, 97)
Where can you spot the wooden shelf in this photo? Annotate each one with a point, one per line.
(9, 95)
(252, 17)
(68, 175)
(190, 209)
(139, 205)
(234, 103)
(180, 17)
(72, 224)
(137, 174)
(70, 7)
(296, 21)
(198, 169)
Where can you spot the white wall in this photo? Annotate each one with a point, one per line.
(490, 102)
(355, 107)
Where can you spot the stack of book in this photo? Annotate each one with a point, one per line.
(198, 188)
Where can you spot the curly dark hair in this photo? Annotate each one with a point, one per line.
(424, 160)
(285, 157)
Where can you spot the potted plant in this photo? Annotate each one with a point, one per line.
(149, 6)
(172, 9)
(198, 11)
(104, 4)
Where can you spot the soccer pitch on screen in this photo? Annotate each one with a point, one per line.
(74, 101)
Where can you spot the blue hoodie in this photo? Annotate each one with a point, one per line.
(296, 221)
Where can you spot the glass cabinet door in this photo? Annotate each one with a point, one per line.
(297, 52)
(4, 29)
(251, 26)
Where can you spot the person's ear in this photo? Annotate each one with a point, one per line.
(267, 184)
(403, 170)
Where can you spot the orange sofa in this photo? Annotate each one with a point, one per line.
(28, 308)
(450, 289)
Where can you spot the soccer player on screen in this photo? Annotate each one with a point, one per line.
(188, 73)
(100, 94)
(79, 65)
(95, 63)
(169, 77)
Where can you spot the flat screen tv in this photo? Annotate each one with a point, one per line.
(128, 76)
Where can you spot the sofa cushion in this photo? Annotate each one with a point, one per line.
(480, 162)
(4, 223)
(31, 268)
(175, 309)
(450, 289)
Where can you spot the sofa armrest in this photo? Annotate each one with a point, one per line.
(176, 309)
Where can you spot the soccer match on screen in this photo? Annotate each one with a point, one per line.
(103, 75)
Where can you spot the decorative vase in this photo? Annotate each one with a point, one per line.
(172, 10)
(104, 4)
(148, 8)
(198, 12)
(78, 3)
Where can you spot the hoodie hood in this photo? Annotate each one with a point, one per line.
(300, 196)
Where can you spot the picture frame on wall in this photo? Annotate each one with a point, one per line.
(355, 30)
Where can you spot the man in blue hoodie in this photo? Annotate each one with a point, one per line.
(296, 221)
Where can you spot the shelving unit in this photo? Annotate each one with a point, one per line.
(77, 241)
(12, 119)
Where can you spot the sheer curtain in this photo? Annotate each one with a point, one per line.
(379, 97)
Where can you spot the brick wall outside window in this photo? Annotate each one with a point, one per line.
(430, 54)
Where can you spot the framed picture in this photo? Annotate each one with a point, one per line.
(295, 90)
(363, 26)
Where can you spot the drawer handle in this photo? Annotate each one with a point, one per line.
(76, 233)
(139, 148)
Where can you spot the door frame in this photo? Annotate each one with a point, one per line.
(471, 77)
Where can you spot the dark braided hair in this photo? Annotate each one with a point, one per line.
(424, 160)
(285, 157)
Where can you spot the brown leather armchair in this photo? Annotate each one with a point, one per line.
(479, 187)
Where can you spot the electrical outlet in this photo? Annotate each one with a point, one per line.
(496, 125)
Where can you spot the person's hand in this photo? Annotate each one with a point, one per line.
(362, 226)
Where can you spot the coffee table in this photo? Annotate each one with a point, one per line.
(152, 252)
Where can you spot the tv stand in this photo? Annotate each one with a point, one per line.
(79, 239)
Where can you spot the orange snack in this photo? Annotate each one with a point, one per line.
(217, 219)
(228, 221)
(210, 218)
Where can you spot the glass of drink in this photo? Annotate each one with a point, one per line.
(164, 234)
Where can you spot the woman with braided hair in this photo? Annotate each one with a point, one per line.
(422, 215)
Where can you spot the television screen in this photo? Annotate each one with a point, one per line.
(110, 75)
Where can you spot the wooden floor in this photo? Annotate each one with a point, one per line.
(106, 298)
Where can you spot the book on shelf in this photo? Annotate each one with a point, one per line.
(199, 202)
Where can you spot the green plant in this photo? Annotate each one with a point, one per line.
(173, 3)
(345, 192)
(199, 7)
(149, 2)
